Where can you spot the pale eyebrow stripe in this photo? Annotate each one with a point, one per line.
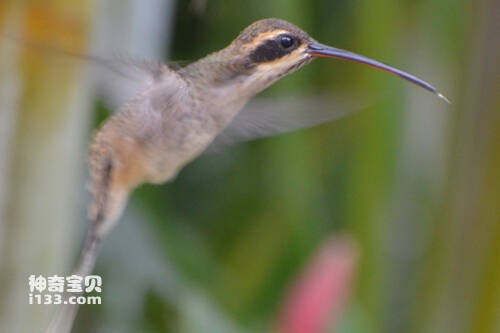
(266, 35)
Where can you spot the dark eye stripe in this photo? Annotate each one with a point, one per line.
(270, 50)
(267, 51)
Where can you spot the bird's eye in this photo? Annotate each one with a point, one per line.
(286, 41)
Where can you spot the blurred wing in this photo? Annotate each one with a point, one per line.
(125, 76)
(266, 117)
(117, 78)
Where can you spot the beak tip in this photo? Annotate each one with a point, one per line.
(443, 97)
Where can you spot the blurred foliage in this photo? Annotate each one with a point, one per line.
(415, 181)
(242, 223)
(239, 225)
(43, 126)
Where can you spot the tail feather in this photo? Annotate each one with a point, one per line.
(107, 205)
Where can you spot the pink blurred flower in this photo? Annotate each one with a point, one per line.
(317, 298)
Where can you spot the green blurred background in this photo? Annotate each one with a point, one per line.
(416, 182)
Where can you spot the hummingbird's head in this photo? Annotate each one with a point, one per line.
(272, 48)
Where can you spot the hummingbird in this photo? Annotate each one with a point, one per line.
(180, 112)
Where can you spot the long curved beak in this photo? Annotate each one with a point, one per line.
(316, 49)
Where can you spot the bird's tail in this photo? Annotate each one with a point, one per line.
(106, 208)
